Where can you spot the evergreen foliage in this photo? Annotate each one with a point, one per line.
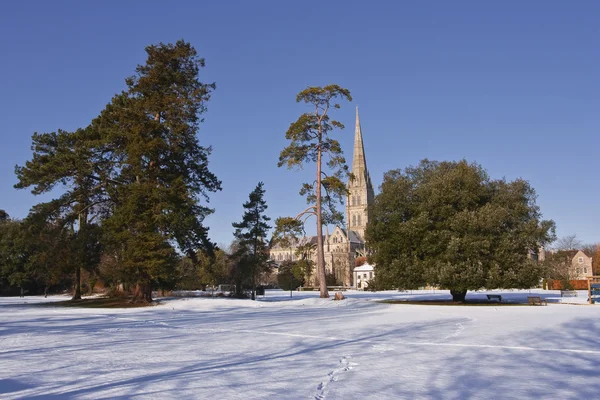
(310, 142)
(448, 224)
(132, 181)
(252, 251)
(290, 276)
(66, 159)
(149, 132)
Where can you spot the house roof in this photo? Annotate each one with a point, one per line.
(364, 268)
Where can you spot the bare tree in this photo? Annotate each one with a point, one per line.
(569, 242)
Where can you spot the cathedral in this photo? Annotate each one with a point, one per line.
(344, 244)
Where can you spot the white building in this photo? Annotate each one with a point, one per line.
(362, 276)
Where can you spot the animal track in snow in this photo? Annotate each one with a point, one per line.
(332, 376)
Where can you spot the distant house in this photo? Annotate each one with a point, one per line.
(362, 275)
(581, 265)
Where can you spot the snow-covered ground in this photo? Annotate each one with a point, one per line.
(303, 348)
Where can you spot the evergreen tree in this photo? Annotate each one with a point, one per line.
(14, 253)
(448, 224)
(66, 159)
(290, 276)
(310, 142)
(251, 234)
(149, 134)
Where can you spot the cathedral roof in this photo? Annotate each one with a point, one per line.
(352, 236)
(297, 242)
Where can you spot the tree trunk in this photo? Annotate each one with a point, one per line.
(253, 283)
(77, 294)
(143, 292)
(320, 253)
(458, 295)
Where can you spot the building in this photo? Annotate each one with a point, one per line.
(581, 265)
(362, 276)
(344, 244)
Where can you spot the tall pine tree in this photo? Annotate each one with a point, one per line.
(251, 233)
(149, 134)
(310, 142)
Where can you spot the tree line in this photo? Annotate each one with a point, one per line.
(135, 185)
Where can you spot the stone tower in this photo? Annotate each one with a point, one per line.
(361, 189)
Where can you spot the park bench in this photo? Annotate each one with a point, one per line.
(494, 297)
(536, 301)
(568, 293)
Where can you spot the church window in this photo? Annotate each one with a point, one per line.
(354, 220)
(370, 275)
(359, 219)
(358, 200)
(353, 200)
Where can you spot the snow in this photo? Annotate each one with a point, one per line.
(302, 348)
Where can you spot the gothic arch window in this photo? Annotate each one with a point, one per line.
(358, 200)
(359, 219)
(353, 200)
(354, 220)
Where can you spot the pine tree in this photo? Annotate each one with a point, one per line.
(310, 142)
(251, 235)
(149, 134)
(66, 159)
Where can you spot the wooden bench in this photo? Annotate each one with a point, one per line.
(536, 301)
(568, 293)
(494, 297)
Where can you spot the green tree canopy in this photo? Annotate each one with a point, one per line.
(290, 275)
(149, 135)
(448, 224)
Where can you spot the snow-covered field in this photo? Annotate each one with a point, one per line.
(305, 348)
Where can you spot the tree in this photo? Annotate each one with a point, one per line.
(596, 261)
(251, 233)
(559, 266)
(66, 159)
(448, 224)
(569, 242)
(360, 261)
(149, 135)
(14, 253)
(4, 216)
(310, 142)
(290, 276)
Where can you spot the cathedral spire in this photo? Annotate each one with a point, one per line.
(360, 189)
(359, 162)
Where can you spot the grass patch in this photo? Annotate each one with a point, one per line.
(452, 303)
(100, 302)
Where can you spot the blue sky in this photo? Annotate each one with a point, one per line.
(512, 85)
